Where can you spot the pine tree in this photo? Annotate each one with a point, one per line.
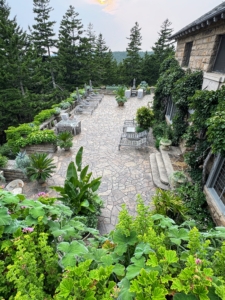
(69, 49)
(42, 35)
(133, 60)
(164, 47)
(100, 58)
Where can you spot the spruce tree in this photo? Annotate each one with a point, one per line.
(70, 52)
(164, 47)
(42, 35)
(133, 60)
(100, 59)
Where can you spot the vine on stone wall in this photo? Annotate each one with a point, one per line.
(184, 88)
(170, 73)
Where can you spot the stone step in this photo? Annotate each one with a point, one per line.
(167, 162)
(161, 168)
(155, 173)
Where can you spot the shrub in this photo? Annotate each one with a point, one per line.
(8, 150)
(22, 161)
(41, 167)
(44, 115)
(64, 105)
(3, 161)
(37, 137)
(144, 117)
(65, 139)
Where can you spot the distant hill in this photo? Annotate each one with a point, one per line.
(120, 55)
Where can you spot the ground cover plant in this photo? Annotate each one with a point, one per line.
(44, 256)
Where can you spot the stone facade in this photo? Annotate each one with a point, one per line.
(41, 148)
(205, 46)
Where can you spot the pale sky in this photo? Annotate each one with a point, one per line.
(115, 18)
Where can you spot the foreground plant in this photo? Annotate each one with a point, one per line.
(41, 167)
(79, 191)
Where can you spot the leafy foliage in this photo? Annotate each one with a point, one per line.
(41, 167)
(144, 117)
(65, 139)
(79, 191)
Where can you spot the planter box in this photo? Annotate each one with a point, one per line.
(41, 148)
(11, 173)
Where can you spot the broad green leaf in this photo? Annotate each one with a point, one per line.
(85, 203)
(78, 159)
(107, 260)
(71, 171)
(64, 247)
(134, 269)
(37, 212)
(29, 221)
(182, 296)
(69, 260)
(95, 183)
(171, 256)
(159, 293)
(120, 238)
(10, 198)
(58, 189)
(32, 203)
(181, 233)
(5, 218)
(141, 249)
(125, 294)
(83, 173)
(119, 270)
(66, 287)
(14, 225)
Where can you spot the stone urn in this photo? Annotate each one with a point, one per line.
(165, 144)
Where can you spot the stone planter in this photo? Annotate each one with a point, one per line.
(120, 103)
(165, 144)
(41, 148)
(11, 173)
(177, 179)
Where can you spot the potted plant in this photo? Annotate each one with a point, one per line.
(165, 143)
(41, 167)
(65, 140)
(120, 95)
(177, 178)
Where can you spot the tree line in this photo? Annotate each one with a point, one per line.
(37, 69)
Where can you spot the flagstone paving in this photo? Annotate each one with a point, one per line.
(125, 173)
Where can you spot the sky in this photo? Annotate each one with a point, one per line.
(115, 18)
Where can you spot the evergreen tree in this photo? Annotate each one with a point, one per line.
(91, 47)
(70, 50)
(42, 35)
(164, 47)
(100, 58)
(150, 69)
(13, 71)
(133, 60)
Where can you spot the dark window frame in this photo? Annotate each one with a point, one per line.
(219, 63)
(187, 54)
(212, 182)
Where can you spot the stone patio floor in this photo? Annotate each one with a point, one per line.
(125, 173)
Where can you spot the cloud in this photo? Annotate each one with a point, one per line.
(109, 6)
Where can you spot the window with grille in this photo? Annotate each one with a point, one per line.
(187, 54)
(170, 110)
(216, 181)
(219, 185)
(219, 65)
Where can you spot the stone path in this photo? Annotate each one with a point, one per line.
(125, 173)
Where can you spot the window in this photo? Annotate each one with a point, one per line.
(187, 54)
(219, 65)
(216, 181)
(170, 110)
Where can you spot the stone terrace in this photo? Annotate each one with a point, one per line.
(125, 173)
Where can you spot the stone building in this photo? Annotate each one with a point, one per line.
(201, 46)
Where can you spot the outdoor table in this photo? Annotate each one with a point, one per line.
(67, 123)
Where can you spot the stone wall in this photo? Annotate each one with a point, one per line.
(41, 148)
(11, 173)
(205, 45)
